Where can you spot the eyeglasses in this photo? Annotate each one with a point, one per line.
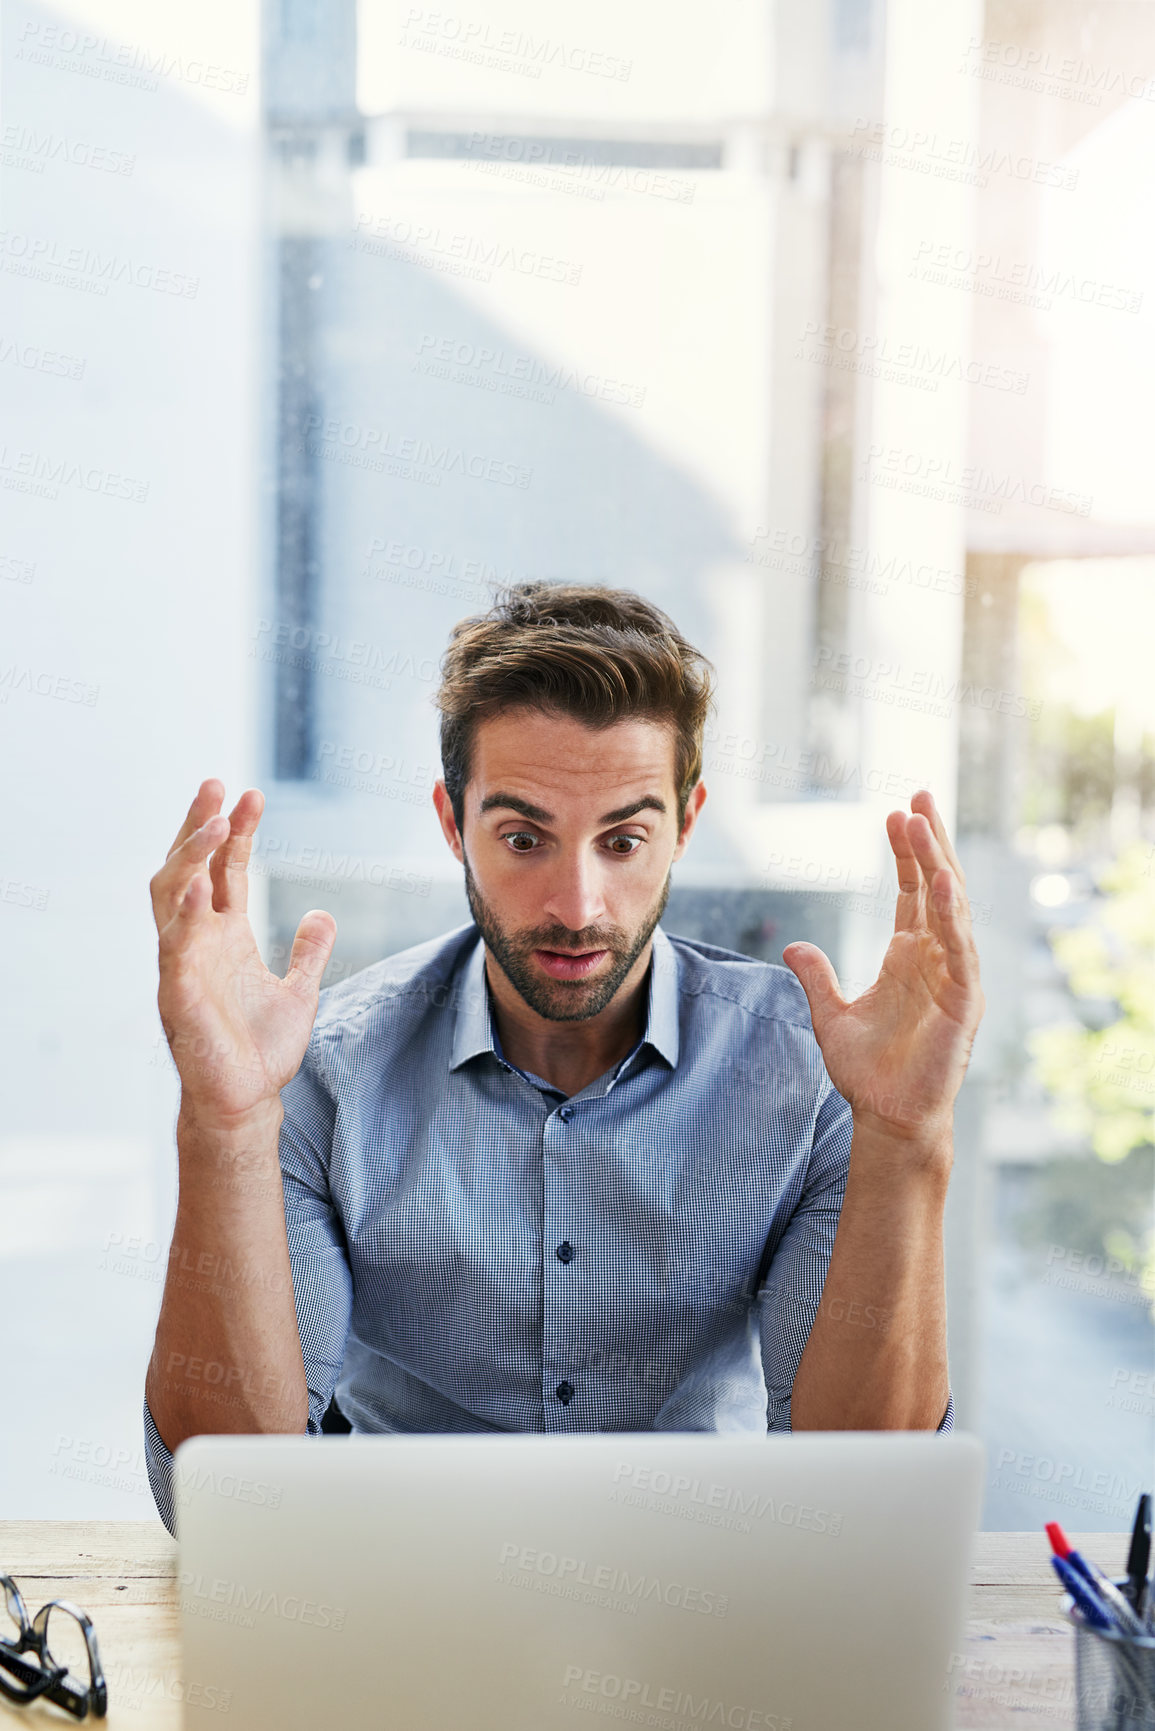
(50, 1676)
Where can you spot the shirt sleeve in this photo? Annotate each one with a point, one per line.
(158, 1461)
(322, 1282)
(318, 1255)
(788, 1301)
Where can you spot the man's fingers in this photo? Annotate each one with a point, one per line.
(815, 974)
(954, 928)
(312, 947)
(190, 908)
(944, 909)
(910, 878)
(930, 856)
(172, 880)
(923, 804)
(169, 883)
(229, 864)
(208, 801)
(948, 910)
(917, 850)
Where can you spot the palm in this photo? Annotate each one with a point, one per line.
(237, 1032)
(243, 1026)
(899, 1051)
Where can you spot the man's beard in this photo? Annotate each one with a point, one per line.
(562, 1000)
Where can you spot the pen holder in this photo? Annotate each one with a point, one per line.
(1114, 1679)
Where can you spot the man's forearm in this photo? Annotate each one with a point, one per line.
(876, 1358)
(227, 1355)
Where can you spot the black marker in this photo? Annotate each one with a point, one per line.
(1140, 1553)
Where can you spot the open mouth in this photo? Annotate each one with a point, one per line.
(566, 965)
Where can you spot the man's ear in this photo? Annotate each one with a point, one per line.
(694, 805)
(449, 829)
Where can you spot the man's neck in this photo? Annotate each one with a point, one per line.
(570, 1055)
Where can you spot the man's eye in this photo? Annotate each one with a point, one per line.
(624, 844)
(517, 837)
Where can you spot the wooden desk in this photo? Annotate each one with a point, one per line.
(1017, 1668)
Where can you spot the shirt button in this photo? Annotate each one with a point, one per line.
(564, 1392)
(565, 1252)
(565, 1113)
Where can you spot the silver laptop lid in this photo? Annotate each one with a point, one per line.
(813, 1582)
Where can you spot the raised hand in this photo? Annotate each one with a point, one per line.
(899, 1052)
(237, 1033)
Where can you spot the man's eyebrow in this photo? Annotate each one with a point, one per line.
(648, 802)
(510, 802)
(537, 813)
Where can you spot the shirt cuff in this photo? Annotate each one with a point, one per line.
(158, 1460)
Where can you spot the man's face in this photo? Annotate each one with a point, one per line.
(569, 836)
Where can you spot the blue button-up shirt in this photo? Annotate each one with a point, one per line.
(473, 1251)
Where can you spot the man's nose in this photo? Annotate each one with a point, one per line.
(575, 897)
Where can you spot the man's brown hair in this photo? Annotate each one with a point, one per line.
(601, 655)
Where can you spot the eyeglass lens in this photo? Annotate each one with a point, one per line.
(64, 1640)
(13, 1612)
(22, 1678)
(63, 1635)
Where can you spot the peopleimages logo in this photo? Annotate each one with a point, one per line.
(601, 1583)
(24, 147)
(80, 268)
(972, 485)
(258, 1492)
(593, 1690)
(136, 1685)
(902, 362)
(713, 1504)
(459, 253)
(497, 369)
(369, 447)
(798, 554)
(37, 472)
(224, 1601)
(71, 50)
(1043, 72)
(38, 360)
(483, 42)
(1024, 282)
(958, 159)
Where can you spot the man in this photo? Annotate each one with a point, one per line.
(557, 1170)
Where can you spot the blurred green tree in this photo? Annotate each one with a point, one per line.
(1101, 1073)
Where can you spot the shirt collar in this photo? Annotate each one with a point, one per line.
(474, 1031)
(662, 1013)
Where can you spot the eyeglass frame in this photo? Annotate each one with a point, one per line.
(48, 1680)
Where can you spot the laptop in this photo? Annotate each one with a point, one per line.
(814, 1582)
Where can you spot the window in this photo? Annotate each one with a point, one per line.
(824, 326)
